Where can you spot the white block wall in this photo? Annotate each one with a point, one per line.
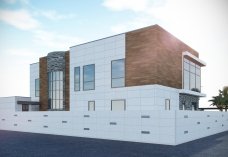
(160, 127)
(101, 53)
(193, 125)
(34, 74)
(155, 127)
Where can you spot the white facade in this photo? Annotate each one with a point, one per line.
(34, 74)
(101, 53)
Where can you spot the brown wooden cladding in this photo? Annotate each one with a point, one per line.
(43, 84)
(67, 81)
(154, 56)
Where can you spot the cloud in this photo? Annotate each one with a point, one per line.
(142, 8)
(53, 15)
(15, 1)
(55, 40)
(137, 22)
(20, 19)
(120, 5)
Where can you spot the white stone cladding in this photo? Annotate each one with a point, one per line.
(34, 74)
(101, 53)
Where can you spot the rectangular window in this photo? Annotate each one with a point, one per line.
(55, 90)
(192, 76)
(25, 107)
(198, 82)
(91, 105)
(167, 104)
(89, 77)
(118, 105)
(118, 73)
(192, 81)
(37, 87)
(186, 79)
(192, 67)
(77, 79)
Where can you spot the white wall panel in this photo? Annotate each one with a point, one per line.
(34, 74)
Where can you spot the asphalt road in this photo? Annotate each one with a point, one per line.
(19, 144)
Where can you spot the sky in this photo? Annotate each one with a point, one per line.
(30, 29)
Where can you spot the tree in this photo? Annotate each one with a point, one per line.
(225, 97)
(221, 101)
(217, 101)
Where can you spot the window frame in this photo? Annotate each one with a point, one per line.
(89, 81)
(93, 107)
(24, 107)
(118, 77)
(75, 82)
(56, 91)
(37, 91)
(119, 100)
(196, 72)
(169, 104)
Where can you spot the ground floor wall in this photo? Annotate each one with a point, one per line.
(160, 127)
(137, 98)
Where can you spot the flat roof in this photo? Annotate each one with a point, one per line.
(28, 102)
(115, 35)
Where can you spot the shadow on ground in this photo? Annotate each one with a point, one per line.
(33, 145)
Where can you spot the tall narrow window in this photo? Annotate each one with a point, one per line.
(167, 104)
(89, 77)
(77, 79)
(118, 105)
(118, 73)
(91, 105)
(37, 87)
(192, 79)
(55, 90)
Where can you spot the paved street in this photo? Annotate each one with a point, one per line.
(19, 144)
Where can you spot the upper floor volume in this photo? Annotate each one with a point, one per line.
(134, 60)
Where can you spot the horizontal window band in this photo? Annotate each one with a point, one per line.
(145, 132)
(145, 116)
(86, 116)
(86, 128)
(113, 123)
(185, 116)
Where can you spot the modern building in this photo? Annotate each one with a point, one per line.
(141, 85)
(101, 74)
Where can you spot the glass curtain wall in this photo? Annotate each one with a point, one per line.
(55, 90)
(192, 76)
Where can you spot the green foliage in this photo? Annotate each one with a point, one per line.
(221, 101)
